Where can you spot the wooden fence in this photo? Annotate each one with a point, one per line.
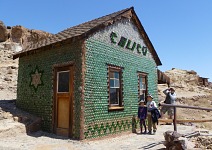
(183, 106)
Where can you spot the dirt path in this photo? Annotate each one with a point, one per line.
(45, 141)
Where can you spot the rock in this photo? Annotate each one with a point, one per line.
(209, 146)
(25, 37)
(192, 72)
(7, 115)
(7, 46)
(9, 71)
(204, 142)
(174, 141)
(17, 119)
(15, 47)
(7, 79)
(3, 32)
(189, 144)
(17, 34)
(13, 67)
(1, 87)
(171, 135)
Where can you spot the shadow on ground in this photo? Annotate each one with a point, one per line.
(32, 123)
(152, 145)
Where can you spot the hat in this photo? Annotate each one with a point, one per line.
(141, 101)
(172, 89)
(149, 95)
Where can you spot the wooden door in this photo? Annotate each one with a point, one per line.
(63, 101)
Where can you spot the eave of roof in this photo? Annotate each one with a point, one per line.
(85, 29)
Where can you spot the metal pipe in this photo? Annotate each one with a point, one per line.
(183, 106)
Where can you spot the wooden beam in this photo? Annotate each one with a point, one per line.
(183, 106)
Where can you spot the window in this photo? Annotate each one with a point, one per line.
(63, 81)
(142, 86)
(115, 88)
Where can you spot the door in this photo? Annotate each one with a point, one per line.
(63, 101)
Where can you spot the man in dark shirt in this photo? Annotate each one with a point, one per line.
(170, 99)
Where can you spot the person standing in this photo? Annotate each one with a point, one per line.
(170, 99)
(142, 114)
(151, 105)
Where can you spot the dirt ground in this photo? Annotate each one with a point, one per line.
(127, 141)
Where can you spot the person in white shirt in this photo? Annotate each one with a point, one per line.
(150, 106)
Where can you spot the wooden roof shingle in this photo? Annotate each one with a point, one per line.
(85, 29)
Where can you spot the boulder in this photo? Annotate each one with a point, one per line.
(174, 141)
(18, 34)
(26, 37)
(3, 32)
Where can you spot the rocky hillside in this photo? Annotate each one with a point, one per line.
(21, 35)
(183, 78)
(8, 70)
(185, 83)
(12, 40)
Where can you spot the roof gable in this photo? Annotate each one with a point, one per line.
(124, 35)
(85, 29)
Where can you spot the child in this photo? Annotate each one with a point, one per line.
(150, 106)
(142, 114)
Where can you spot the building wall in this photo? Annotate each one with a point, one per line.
(100, 52)
(40, 101)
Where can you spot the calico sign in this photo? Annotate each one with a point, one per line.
(128, 44)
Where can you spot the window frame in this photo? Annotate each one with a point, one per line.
(145, 76)
(119, 106)
(63, 71)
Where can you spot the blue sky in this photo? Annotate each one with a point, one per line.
(181, 30)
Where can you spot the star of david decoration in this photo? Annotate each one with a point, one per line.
(36, 78)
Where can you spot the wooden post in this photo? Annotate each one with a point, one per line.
(175, 119)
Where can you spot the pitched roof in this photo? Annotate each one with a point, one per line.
(87, 28)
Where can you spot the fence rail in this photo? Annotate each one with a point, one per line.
(183, 106)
